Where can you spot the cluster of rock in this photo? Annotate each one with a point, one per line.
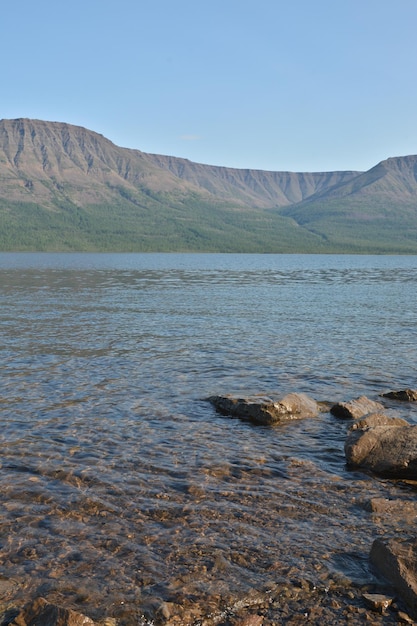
(387, 446)
(375, 442)
(40, 612)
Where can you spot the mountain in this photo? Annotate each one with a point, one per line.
(376, 210)
(63, 187)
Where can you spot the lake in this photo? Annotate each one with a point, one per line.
(124, 493)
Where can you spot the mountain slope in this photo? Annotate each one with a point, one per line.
(34, 153)
(255, 188)
(66, 188)
(376, 210)
(41, 160)
(63, 187)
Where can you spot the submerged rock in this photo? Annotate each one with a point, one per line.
(377, 601)
(40, 612)
(356, 408)
(396, 560)
(248, 620)
(264, 410)
(404, 509)
(405, 395)
(384, 445)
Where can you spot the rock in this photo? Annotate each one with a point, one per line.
(405, 395)
(377, 602)
(355, 409)
(404, 618)
(406, 509)
(377, 419)
(384, 445)
(266, 411)
(41, 613)
(396, 561)
(248, 620)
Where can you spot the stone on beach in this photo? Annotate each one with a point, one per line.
(356, 408)
(404, 395)
(266, 411)
(396, 561)
(384, 445)
(40, 612)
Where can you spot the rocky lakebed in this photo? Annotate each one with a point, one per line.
(380, 450)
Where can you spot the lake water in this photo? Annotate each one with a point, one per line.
(123, 492)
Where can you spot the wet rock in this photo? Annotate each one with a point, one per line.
(265, 410)
(406, 509)
(403, 618)
(377, 601)
(40, 612)
(405, 395)
(377, 419)
(384, 445)
(158, 610)
(396, 561)
(248, 620)
(356, 408)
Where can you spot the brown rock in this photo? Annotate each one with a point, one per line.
(383, 445)
(405, 395)
(41, 613)
(266, 411)
(248, 620)
(377, 602)
(404, 618)
(396, 560)
(355, 409)
(406, 509)
(377, 419)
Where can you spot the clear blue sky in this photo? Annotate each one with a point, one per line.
(300, 85)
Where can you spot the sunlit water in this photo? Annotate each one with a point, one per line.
(121, 486)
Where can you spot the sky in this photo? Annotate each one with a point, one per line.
(294, 85)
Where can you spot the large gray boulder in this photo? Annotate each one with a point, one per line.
(384, 445)
(356, 408)
(396, 560)
(266, 411)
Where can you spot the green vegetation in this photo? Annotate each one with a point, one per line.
(160, 225)
(164, 223)
(373, 225)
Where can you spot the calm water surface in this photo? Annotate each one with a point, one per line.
(121, 486)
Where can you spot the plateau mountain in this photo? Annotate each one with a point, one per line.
(63, 187)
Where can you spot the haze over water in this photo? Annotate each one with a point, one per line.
(120, 483)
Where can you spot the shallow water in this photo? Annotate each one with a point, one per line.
(122, 489)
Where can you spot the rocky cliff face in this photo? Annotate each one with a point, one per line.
(253, 187)
(40, 160)
(37, 157)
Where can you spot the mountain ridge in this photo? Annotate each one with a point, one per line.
(275, 188)
(66, 187)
